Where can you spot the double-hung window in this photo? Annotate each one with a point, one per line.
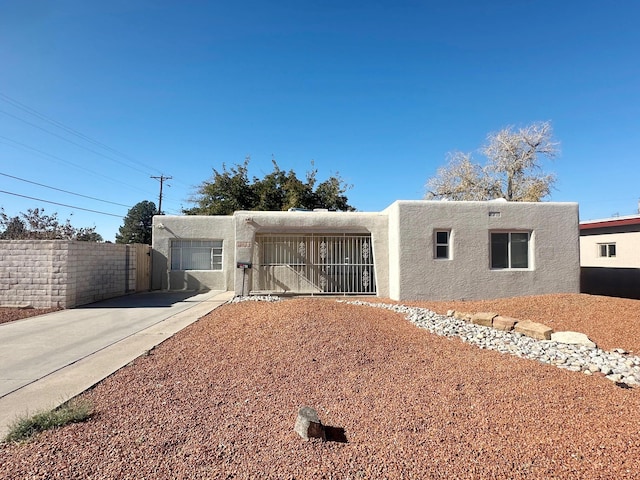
(607, 249)
(196, 255)
(510, 250)
(442, 246)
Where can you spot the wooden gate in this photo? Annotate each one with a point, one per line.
(143, 267)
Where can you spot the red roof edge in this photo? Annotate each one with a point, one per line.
(615, 222)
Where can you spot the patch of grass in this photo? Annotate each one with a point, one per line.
(73, 411)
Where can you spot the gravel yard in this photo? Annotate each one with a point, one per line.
(12, 314)
(219, 400)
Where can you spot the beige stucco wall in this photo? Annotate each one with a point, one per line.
(416, 275)
(196, 227)
(627, 250)
(403, 247)
(238, 233)
(248, 224)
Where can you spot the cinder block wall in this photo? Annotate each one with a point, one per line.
(97, 271)
(29, 273)
(60, 273)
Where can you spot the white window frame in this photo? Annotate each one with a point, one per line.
(182, 251)
(607, 250)
(437, 244)
(510, 243)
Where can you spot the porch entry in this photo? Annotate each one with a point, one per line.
(315, 264)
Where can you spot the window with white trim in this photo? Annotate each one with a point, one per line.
(196, 255)
(510, 250)
(607, 249)
(442, 247)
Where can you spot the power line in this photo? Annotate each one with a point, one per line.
(32, 111)
(17, 144)
(65, 191)
(70, 141)
(25, 108)
(70, 130)
(62, 204)
(60, 159)
(161, 179)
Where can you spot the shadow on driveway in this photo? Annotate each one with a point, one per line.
(157, 299)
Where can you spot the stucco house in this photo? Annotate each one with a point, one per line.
(412, 250)
(610, 256)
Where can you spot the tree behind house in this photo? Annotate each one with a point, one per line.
(137, 224)
(230, 190)
(513, 169)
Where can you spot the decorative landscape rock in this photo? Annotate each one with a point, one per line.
(483, 318)
(462, 316)
(572, 338)
(533, 330)
(308, 425)
(506, 324)
(617, 365)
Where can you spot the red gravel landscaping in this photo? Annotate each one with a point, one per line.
(219, 400)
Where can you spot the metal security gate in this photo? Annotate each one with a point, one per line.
(315, 264)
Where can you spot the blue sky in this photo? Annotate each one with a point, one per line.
(377, 92)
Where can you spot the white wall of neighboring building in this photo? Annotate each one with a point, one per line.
(627, 250)
(602, 272)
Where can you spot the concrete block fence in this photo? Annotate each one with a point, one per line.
(61, 273)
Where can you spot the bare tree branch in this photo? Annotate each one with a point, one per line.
(512, 171)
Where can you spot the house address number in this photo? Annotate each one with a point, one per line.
(243, 244)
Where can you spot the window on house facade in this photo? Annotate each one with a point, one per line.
(196, 255)
(442, 244)
(607, 249)
(510, 250)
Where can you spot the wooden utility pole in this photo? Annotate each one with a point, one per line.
(161, 179)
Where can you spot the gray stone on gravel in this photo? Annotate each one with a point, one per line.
(308, 424)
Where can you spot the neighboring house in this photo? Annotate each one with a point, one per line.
(610, 256)
(412, 250)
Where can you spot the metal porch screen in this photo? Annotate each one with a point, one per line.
(315, 264)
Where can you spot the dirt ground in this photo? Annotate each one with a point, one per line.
(12, 314)
(219, 399)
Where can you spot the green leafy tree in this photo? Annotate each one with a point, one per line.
(14, 228)
(137, 224)
(36, 225)
(225, 193)
(231, 190)
(331, 194)
(88, 235)
(513, 169)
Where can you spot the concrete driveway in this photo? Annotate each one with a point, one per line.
(48, 359)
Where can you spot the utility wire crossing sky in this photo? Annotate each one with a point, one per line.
(100, 100)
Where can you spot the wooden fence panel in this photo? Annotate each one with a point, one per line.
(143, 267)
